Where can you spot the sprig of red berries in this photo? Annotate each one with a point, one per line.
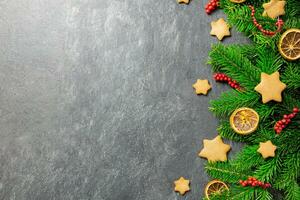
(253, 182)
(281, 124)
(224, 78)
(211, 6)
(279, 24)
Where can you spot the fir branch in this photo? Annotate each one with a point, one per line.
(260, 135)
(265, 111)
(291, 76)
(249, 193)
(290, 171)
(231, 100)
(225, 131)
(231, 61)
(268, 60)
(269, 169)
(263, 195)
(292, 9)
(225, 171)
(247, 158)
(288, 140)
(291, 23)
(245, 193)
(292, 191)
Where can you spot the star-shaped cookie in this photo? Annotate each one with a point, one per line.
(201, 86)
(270, 87)
(220, 28)
(274, 8)
(183, 1)
(267, 149)
(182, 185)
(215, 149)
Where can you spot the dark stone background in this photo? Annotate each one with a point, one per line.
(96, 98)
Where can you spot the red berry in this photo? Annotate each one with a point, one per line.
(292, 115)
(295, 110)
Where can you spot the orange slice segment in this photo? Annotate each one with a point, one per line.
(244, 121)
(289, 44)
(237, 1)
(215, 187)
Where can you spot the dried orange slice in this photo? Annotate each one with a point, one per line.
(237, 1)
(289, 44)
(244, 120)
(215, 187)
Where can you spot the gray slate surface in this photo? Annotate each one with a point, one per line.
(96, 99)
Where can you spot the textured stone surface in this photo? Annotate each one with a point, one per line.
(96, 98)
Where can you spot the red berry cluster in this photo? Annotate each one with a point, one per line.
(279, 24)
(251, 181)
(211, 6)
(281, 124)
(224, 78)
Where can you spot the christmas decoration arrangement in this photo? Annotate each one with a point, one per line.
(261, 108)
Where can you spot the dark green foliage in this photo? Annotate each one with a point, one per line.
(244, 63)
(232, 100)
(231, 61)
(268, 169)
(226, 171)
(291, 76)
(247, 158)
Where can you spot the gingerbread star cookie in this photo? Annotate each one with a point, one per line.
(182, 185)
(274, 8)
(183, 1)
(267, 149)
(214, 150)
(201, 86)
(270, 87)
(220, 28)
